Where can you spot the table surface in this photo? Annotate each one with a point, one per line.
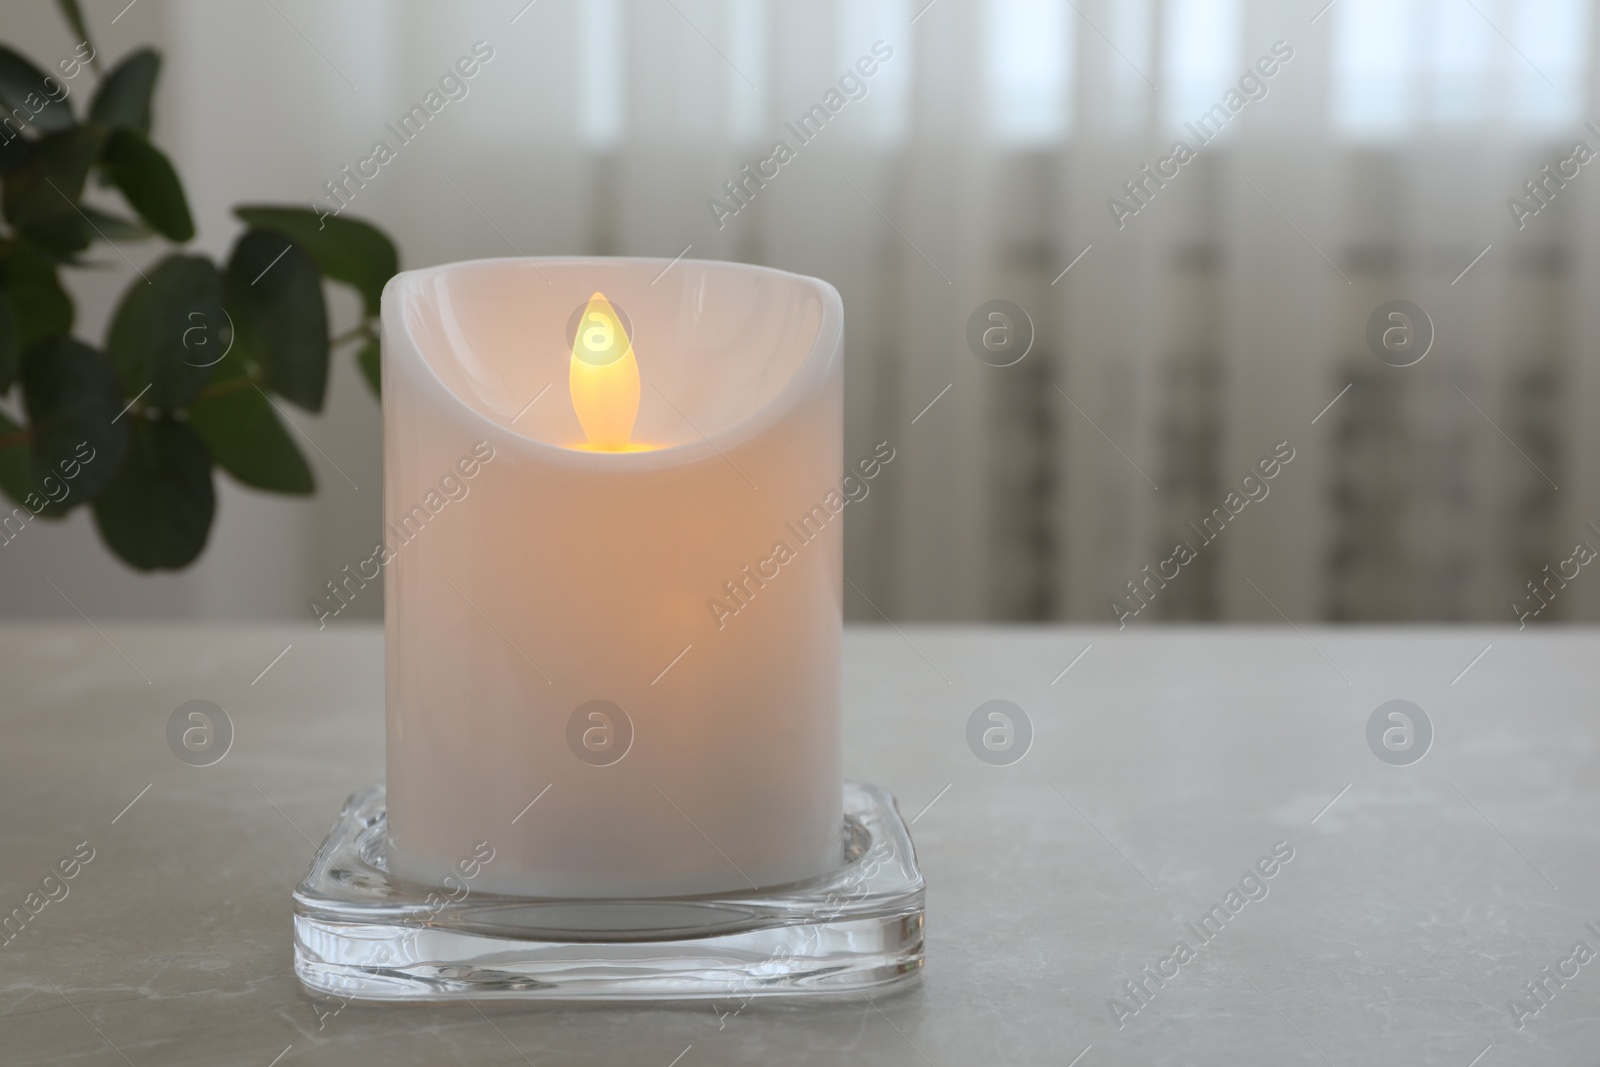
(1165, 763)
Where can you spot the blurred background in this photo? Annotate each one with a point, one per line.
(1182, 328)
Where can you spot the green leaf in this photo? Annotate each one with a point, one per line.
(123, 98)
(15, 153)
(115, 227)
(43, 309)
(10, 350)
(41, 198)
(149, 183)
(348, 250)
(74, 404)
(14, 460)
(165, 331)
(26, 94)
(74, 16)
(157, 512)
(372, 365)
(47, 499)
(279, 318)
(246, 437)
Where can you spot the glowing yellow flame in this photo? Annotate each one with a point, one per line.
(605, 379)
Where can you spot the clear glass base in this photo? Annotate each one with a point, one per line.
(362, 934)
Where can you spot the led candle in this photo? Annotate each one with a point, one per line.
(613, 575)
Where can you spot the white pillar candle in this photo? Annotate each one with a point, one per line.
(691, 578)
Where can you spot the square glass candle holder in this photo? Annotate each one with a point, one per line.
(613, 574)
(363, 934)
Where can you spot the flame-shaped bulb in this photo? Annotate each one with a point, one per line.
(604, 378)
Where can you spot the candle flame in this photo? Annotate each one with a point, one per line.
(604, 378)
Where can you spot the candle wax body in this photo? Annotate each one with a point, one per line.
(695, 586)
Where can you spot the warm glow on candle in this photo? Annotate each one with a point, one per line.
(590, 569)
(605, 378)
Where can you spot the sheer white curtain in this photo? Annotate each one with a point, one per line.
(1233, 308)
(1181, 347)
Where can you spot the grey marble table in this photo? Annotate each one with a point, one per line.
(1419, 902)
